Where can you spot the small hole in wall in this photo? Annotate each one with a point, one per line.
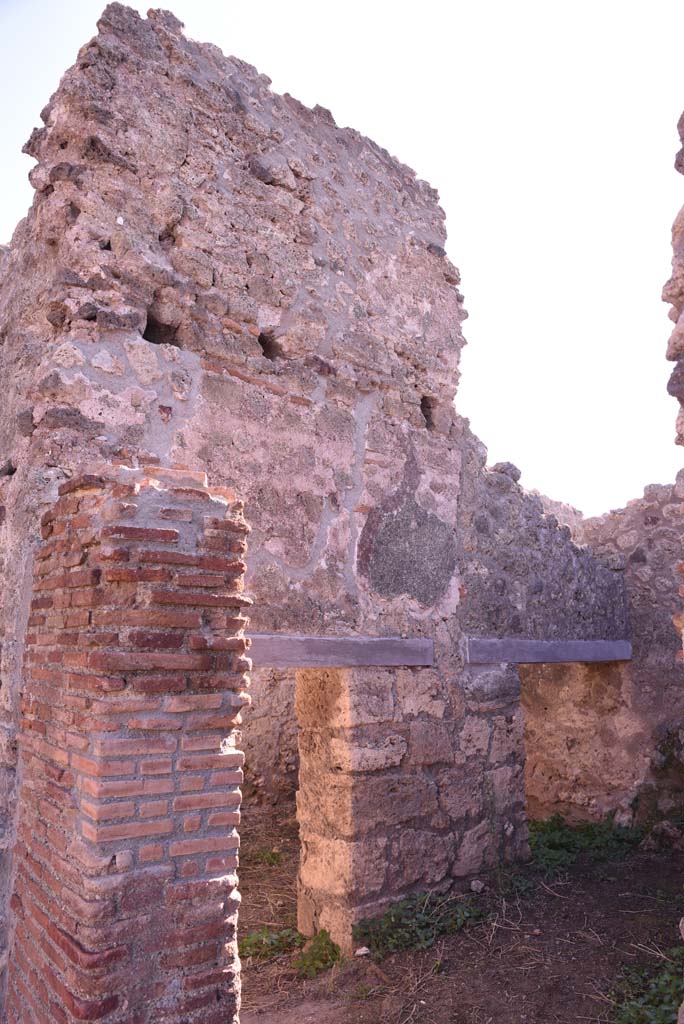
(8, 468)
(269, 346)
(427, 407)
(106, 246)
(167, 239)
(160, 334)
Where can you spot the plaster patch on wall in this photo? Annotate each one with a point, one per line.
(405, 550)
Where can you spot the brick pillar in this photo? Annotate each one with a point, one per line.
(124, 896)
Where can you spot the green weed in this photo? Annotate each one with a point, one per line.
(555, 845)
(646, 995)
(362, 991)
(516, 884)
(271, 858)
(263, 944)
(320, 954)
(416, 923)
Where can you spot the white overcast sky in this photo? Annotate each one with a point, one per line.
(549, 129)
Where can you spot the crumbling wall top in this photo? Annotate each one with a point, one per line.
(183, 200)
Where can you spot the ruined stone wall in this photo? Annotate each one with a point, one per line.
(673, 293)
(270, 736)
(598, 738)
(607, 737)
(521, 574)
(524, 576)
(213, 275)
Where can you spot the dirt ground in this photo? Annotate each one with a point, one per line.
(548, 955)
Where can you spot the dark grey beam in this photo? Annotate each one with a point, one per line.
(481, 651)
(282, 650)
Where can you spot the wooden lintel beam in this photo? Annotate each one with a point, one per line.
(488, 651)
(282, 650)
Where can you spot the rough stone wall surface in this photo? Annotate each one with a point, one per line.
(673, 293)
(565, 514)
(389, 799)
(213, 275)
(269, 738)
(524, 575)
(521, 573)
(128, 802)
(609, 738)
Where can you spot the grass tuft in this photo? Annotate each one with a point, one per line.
(270, 858)
(416, 923)
(555, 845)
(649, 995)
(319, 954)
(264, 944)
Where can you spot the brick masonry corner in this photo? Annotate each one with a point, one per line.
(124, 899)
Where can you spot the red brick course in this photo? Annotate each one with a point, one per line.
(124, 900)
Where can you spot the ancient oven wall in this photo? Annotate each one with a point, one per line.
(608, 738)
(215, 276)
